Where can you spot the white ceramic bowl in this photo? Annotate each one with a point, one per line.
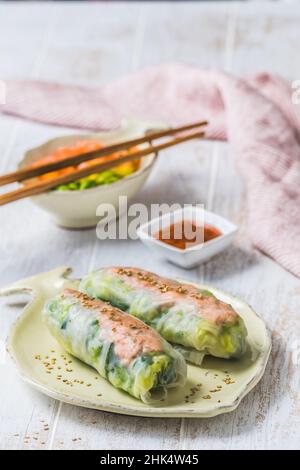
(195, 254)
(77, 209)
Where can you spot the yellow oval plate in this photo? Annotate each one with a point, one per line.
(216, 387)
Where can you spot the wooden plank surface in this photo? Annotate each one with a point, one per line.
(98, 43)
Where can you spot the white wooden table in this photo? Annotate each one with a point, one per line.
(89, 44)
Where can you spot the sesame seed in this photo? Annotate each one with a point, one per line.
(206, 397)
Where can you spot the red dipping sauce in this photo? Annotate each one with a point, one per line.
(186, 233)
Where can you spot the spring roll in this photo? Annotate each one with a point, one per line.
(192, 319)
(123, 349)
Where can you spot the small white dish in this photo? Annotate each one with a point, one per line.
(78, 209)
(196, 254)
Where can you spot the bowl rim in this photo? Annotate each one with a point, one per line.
(126, 123)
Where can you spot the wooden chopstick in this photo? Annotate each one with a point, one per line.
(43, 186)
(30, 172)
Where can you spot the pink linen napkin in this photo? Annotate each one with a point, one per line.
(255, 114)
